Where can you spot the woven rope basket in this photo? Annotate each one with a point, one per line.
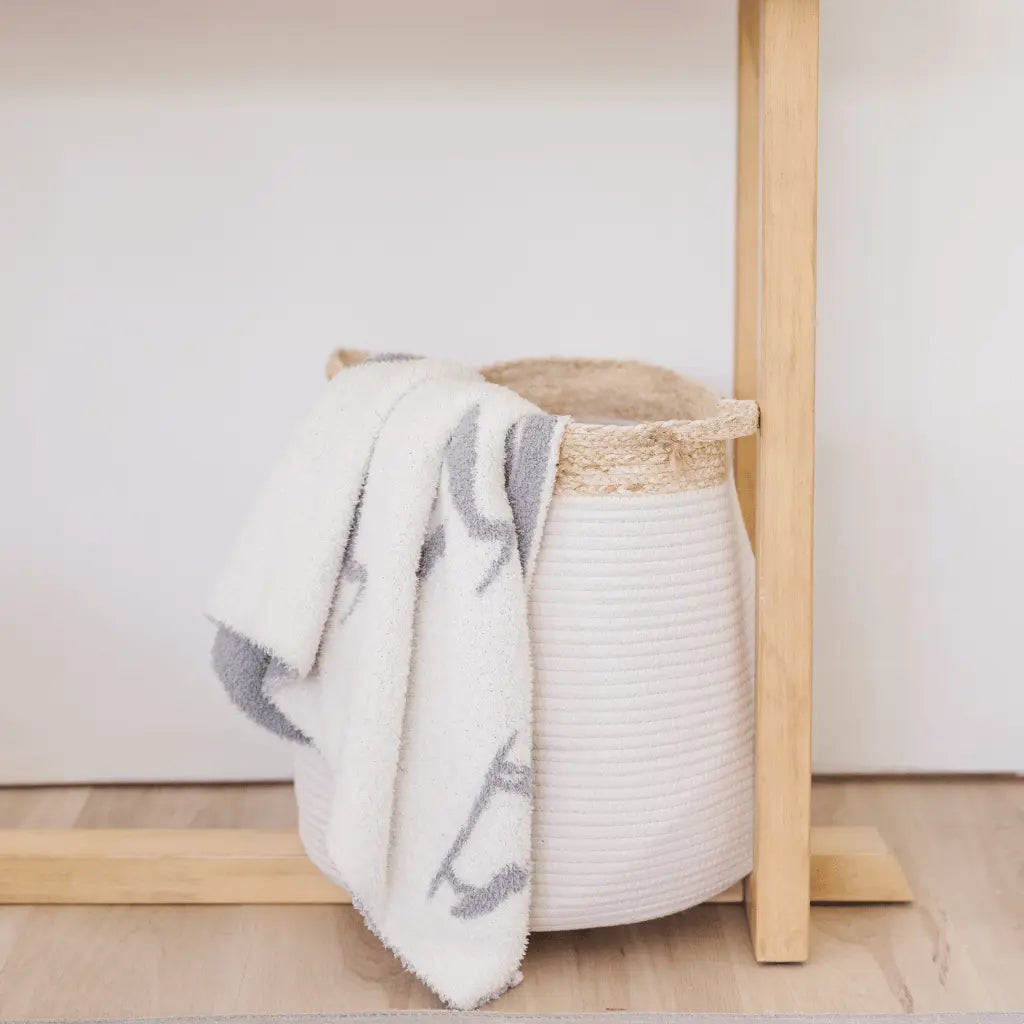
(641, 617)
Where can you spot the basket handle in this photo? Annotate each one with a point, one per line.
(342, 357)
(732, 418)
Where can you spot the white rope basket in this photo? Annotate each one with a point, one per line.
(642, 632)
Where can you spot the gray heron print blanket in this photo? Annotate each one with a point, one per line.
(375, 605)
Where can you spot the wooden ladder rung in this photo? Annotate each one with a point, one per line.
(229, 865)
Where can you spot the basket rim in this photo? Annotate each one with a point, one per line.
(729, 418)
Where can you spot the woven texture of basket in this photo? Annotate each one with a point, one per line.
(641, 618)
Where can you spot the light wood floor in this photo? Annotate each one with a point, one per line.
(960, 947)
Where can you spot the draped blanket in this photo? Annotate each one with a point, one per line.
(375, 605)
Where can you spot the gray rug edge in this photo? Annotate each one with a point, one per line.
(617, 1016)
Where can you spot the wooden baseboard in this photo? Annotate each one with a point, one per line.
(227, 865)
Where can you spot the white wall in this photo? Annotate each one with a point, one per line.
(920, 456)
(198, 200)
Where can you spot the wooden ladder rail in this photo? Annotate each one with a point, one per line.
(776, 256)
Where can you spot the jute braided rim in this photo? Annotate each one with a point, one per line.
(668, 433)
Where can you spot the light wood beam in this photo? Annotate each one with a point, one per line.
(230, 866)
(778, 891)
(748, 244)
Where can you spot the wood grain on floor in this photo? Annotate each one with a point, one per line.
(959, 947)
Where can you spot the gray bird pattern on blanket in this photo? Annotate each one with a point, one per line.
(248, 673)
(503, 775)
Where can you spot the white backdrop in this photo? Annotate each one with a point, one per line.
(198, 200)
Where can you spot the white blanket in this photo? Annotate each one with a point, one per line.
(376, 605)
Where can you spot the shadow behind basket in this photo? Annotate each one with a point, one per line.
(642, 632)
